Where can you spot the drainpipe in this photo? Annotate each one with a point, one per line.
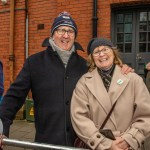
(11, 41)
(27, 35)
(95, 18)
(27, 24)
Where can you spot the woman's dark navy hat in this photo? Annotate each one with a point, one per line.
(96, 42)
(64, 19)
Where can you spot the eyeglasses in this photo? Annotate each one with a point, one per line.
(63, 31)
(104, 51)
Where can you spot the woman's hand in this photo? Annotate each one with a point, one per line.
(123, 144)
(119, 144)
(115, 144)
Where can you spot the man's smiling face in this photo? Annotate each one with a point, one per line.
(66, 40)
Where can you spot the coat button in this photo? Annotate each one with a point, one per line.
(66, 77)
(98, 136)
(67, 102)
(91, 143)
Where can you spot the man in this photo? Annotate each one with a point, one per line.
(51, 75)
(147, 75)
(147, 68)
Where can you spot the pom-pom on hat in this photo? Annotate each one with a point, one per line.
(64, 19)
(96, 42)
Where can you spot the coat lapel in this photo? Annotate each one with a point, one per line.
(118, 84)
(96, 86)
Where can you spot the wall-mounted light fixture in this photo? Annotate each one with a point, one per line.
(4, 2)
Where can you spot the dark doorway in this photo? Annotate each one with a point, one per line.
(131, 33)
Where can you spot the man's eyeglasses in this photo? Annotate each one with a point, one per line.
(63, 31)
(104, 51)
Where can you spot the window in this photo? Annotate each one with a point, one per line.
(124, 31)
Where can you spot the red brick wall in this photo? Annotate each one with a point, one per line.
(40, 12)
(43, 12)
(19, 36)
(4, 40)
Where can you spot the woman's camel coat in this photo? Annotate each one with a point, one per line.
(91, 103)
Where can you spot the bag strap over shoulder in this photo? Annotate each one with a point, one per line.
(107, 117)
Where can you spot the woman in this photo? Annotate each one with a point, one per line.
(98, 90)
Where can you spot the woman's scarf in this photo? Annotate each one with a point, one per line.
(106, 76)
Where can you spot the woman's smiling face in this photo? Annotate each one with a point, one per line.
(103, 57)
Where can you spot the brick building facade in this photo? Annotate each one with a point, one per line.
(24, 24)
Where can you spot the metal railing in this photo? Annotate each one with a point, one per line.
(34, 145)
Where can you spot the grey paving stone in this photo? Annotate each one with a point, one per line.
(21, 130)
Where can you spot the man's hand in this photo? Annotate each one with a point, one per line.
(126, 69)
(1, 141)
(1, 144)
(1, 135)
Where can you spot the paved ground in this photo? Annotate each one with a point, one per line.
(21, 130)
(24, 130)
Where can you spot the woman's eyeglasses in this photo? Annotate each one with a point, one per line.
(63, 31)
(104, 51)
